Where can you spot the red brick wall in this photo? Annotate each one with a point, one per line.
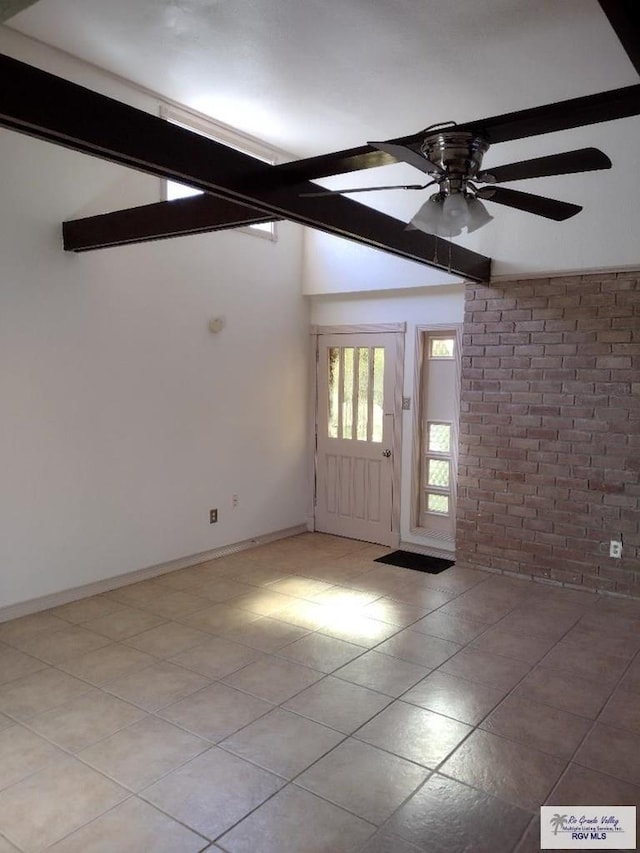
(549, 467)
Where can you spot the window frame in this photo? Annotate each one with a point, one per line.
(441, 337)
(421, 420)
(218, 132)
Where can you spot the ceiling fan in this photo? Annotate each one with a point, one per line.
(452, 158)
(240, 189)
(451, 155)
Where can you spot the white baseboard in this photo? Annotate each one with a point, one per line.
(65, 596)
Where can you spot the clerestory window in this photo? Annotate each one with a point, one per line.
(234, 139)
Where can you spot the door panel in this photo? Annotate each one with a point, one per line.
(355, 419)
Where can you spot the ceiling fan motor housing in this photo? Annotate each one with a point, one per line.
(459, 154)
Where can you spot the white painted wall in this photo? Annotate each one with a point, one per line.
(123, 419)
(334, 265)
(425, 306)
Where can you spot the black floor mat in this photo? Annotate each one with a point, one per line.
(417, 562)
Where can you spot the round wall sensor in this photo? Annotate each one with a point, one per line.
(216, 324)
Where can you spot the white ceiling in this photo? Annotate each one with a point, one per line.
(315, 75)
(311, 76)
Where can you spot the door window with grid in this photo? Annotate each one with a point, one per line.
(356, 393)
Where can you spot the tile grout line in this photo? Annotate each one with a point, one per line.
(365, 650)
(573, 754)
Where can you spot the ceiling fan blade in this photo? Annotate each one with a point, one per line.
(408, 155)
(320, 193)
(624, 17)
(577, 112)
(582, 160)
(550, 208)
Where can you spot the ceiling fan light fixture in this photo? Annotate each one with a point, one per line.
(429, 217)
(478, 215)
(447, 217)
(455, 211)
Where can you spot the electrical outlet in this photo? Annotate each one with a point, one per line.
(615, 549)
(234, 500)
(213, 516)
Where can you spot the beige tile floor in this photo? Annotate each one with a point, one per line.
(302, 698)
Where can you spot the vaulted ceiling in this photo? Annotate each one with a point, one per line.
(321, 75)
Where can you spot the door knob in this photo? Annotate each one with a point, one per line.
(386, 453)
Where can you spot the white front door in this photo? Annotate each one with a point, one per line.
(355, 436)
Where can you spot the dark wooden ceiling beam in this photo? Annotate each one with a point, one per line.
(563, 115)
(336, 163)
(624, 17)
(48, 107)
(199, 214)
(548, 118)
(177, 218)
